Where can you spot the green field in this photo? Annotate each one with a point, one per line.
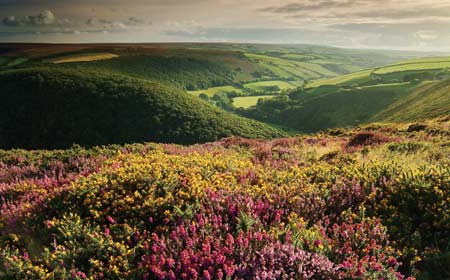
(267, 85)
(249, 101)
(214, 90)
(408, 66)
(341, 79)
(416, 66)
(288, 66)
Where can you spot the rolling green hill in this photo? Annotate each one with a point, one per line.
(408, 69)
(406, 91)
(306, 88)
(430, 101)
(203, 66)
(54, 108)
(328, 107)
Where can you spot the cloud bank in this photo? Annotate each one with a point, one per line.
(397, 24)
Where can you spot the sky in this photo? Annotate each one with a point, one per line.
(375, 24)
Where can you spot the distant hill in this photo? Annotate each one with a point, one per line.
(194, 66)
(54, 108)
(412, 90)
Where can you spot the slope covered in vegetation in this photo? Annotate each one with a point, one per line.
(329, 106)
(407, 91)
(367, 203)
(428, 102)
(55, 108)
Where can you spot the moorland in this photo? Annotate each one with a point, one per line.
(223, 161)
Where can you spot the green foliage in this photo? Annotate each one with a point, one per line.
(51, 108)
(179, 71)
(406, 147)
(329, 107)
(429, 101)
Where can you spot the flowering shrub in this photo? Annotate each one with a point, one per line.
(367, 138)
(235, 209)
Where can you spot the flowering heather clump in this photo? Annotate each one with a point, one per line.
(299, 208)
(367, 138)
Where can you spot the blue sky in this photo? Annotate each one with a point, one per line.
(381, 24)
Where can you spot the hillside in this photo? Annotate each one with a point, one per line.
(183, 64)
(427, 102)
(420, 68)
(406, 91)
(365, 203)
(330, 106)
(54, 108)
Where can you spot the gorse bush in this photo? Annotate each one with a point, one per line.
(234, 209)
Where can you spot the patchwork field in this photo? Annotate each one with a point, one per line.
(249, 101)
(270, 85)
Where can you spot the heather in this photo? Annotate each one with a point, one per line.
(362, 203)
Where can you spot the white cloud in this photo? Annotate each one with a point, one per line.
(43, 18)
(426, 35)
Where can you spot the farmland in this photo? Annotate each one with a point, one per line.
(248, 101)
(268, 85)
(400, 69)
(415, 66)
(406, 91)
(357, 76)
(215, 90)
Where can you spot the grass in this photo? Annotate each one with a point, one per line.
(429, 101)
(413, 67)
(263, 86)
(256, 86)
(432, 63)
(16, 61)
(361, 75)
(296, 56)
(289, 66)
(84, 58)
(214, 90)
(249, 101)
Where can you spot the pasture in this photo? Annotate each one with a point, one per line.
(357, 76)
(268, 85)
(249, 101)
(417, 65)
(215, 90)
